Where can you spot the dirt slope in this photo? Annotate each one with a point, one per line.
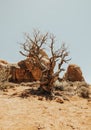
(34, 113)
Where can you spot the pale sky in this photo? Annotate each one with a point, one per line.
(69, 20)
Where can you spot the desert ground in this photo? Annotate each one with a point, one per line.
(21, 111)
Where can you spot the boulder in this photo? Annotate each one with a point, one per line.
(73, 73)
(30, 69)
(20, 74)
(26, 71)
(32, 65)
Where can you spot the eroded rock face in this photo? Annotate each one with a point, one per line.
(20, 75)
(33, 67)
(14, 73)
(73, 73)
(30, 69)
(4, 71)
(26, 71)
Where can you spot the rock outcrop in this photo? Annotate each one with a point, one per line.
(73, 73)
(33, 67)
(20, 74)
(27, 70)
(4, 70)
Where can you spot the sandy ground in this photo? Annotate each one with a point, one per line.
(32, 113)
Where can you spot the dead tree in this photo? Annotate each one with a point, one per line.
(34, 49)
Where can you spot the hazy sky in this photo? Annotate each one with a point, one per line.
(69, 20)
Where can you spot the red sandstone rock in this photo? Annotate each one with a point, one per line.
(73, 73)
(20, 75)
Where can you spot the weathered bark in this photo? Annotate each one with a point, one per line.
(38, 63)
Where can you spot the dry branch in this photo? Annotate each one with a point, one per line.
(33, 49)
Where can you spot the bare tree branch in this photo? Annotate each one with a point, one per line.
(33, 46)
